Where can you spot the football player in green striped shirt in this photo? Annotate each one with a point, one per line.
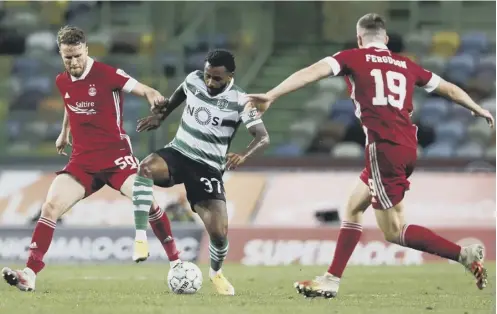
(198, 154)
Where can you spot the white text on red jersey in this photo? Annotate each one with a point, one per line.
(386, 59)
(85, 104)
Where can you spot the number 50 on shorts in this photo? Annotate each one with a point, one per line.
(130, 162)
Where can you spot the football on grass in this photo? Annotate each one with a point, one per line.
(184, 278)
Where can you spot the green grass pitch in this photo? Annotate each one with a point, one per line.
(141, 289)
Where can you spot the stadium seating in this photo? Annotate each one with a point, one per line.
(445, 44)
(474, 43)
(434, 63)
(418, 43)
(347, 150)
(467, 60)
(28, 57)
(470, 150)
(439, 150)
(433, 111)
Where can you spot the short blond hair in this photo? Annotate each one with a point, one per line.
(372, 24)
(71, 35)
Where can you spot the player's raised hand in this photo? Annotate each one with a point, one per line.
(234, 160)
(62, 141)
(260, 101)
(149, 123)
(157, 102)
(487, 115)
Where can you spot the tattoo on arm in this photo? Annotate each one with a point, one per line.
(260, 141)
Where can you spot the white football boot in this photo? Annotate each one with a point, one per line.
(322, 286)
(24, 279)
(471, 258)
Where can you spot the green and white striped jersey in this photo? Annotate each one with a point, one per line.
(209, 123)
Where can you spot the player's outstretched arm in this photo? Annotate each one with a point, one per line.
(297, 80)
(176, 99)
(65, 123)
(258, 130)
(63, 139)
(153, 122)
(154, 98)
(456, 94)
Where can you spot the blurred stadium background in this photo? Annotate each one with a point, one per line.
(316, 150)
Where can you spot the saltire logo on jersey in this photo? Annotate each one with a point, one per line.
(81, 110)
(92, 91)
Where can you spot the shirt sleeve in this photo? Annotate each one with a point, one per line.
(339, 61)
(188, 82)
(58, 78)
(184, 85)
(121, 80)
(250, 116)
(424, 78)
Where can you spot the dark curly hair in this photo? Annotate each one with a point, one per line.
(221, 57)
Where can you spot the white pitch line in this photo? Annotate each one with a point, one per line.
(109, 278)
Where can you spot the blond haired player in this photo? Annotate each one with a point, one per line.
(102, 154)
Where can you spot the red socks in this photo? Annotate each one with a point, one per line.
(348, 237)
(423, 239)
(40, 242)
(412, 236)
(162, 230)
(44, 230)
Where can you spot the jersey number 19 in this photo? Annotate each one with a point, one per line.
(395, 91)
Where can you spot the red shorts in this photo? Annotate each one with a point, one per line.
(93, 181)
(388, 166)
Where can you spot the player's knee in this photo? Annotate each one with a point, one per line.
(219, 237)
(392, 233)
(218, 233)
(353, 213)
(145, 169)
(52, 210)
(153, 167)
(358, 202)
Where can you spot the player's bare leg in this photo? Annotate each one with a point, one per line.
(159, 222)
(350, 232)
(215, 217)
(152, 169)
(64, 192)
(391, 222)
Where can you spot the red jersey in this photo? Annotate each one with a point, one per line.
(381, 84)
(94, 104)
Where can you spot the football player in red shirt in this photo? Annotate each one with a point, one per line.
(382, 85)
(102, 153)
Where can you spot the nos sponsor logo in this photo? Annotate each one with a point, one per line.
(202, 115)
(317, 252)
(101, 248)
